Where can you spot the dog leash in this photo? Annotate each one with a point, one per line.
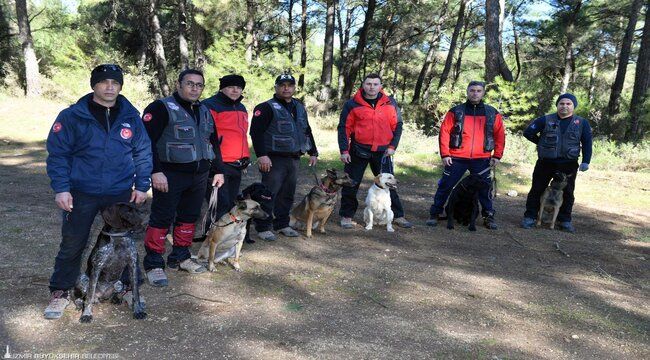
(386, 159)
(493, 183)
(212, 208)
(313, 171)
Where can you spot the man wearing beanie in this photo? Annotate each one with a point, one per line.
(98, 155)
(185, 150)
(281, 135)
(559, 138)
(231, 123)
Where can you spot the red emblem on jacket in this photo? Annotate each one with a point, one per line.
(257, 113)
(57, 127)
(576, 121)
(126, 133)
(147, 117)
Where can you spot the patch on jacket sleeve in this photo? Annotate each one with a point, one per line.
(576, 121)
(57, 127)
(257, 113)
(147, 117)
(126, 133)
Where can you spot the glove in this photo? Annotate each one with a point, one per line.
(584, 167)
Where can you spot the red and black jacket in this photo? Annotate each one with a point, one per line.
(231, 121)
(473, 136)
(378, 127)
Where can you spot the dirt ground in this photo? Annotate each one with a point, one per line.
(419, 293)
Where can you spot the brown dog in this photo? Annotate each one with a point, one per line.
(316, 207)
(226, 236)
(551, 200)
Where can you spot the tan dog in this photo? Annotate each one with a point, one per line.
(316, 207)
(551, 200)
(226, 236)
(378, 202)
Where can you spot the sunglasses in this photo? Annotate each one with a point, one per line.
(106, 67)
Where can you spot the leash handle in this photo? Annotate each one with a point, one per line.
(313, 171)
(212, 206)
(386, 160)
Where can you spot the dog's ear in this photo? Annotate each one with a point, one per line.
(331, 173)
(241, 204)
(242, 196)
(378, 179)
(111, 216)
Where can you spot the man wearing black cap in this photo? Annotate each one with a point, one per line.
(281, 134)
(98, 155)
(185, 147)
(231, 123)
(559, 138)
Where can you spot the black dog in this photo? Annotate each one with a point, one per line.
(463, 202)
(113, 252)
(260, 193)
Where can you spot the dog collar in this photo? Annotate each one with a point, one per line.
(233, 220)
(327, 191)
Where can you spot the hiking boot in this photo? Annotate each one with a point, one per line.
(527, 223)
(402, 222)
(191, 266)
(267, 235)
(347, 223)
(58, 302)
(157, 277)
(489, 222)
(288, 232)
(433, 221)
(567, 226)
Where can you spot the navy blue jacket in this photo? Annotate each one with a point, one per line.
(535, 128)
(84, 157)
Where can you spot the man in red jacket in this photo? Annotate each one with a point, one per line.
(369, 131)
(472, 137)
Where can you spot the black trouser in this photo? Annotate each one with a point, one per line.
(281, 181)
(355, 168)
(181, 204)
(226, 195)
(542, 175)
(74, 237)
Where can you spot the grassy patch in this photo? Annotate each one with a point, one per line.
(293, 307)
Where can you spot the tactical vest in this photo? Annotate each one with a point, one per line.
(183, 140)
(456, 136)
(553, 144)
(286, 134)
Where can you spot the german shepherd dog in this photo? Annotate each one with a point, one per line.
(226, 235)
(463, 201)
(113, 252)
(316, 207)
(551, 200)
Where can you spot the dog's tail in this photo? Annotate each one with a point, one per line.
(212, 206)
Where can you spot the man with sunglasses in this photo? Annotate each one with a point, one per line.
(185, 148)
(231, 123)
(281, 135)
(98, 155)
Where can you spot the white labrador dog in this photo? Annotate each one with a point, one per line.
(378, 202)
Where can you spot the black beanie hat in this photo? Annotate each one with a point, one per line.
(232, 80)
(106, 71)
(568, 96)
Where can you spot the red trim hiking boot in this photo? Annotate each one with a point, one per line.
(191, 266)
(157, 277)
(58, 302)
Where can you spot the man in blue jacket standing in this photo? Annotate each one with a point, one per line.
(99, 154)
(559, 138)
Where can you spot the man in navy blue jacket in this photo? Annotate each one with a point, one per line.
(99, 154)
(559, 138)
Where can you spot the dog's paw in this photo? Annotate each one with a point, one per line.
(390, 229)
(472, 228)
(322, 231)
(212, 268)
(368, 227)
(141, 315)
(86, 318)
(450, 227)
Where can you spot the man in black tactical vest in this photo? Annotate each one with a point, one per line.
(559, 138)
(281, 134)
(185, 145)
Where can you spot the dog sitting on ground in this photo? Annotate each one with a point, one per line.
(551, 200)
(113, 252)
(463, 202)
(259, 193)
(226, 235)
(378, 202)
(316, 207)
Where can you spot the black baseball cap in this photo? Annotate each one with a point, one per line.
(285, 78)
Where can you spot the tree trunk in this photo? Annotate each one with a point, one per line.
(328, 53)
(386, 35)
(351, 75)
(291, 31)
(592, 78)
(199, 42)
(303, 45)
(613, 107)
(159, 50)
(568, 50)
(182, 35)
(433, 46)
(344, 39)
(495, 64)
(251, 9)
(452, 46)
(461, 49)
(638, 106)
(32, 75)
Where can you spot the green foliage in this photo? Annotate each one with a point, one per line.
(514, 102)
